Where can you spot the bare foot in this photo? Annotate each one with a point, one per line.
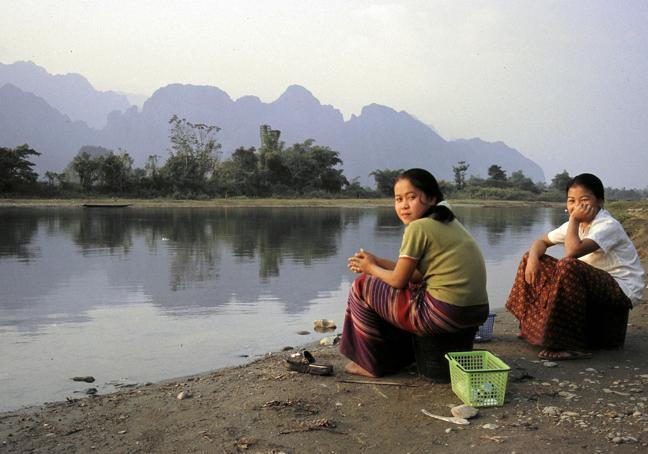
(353, 368)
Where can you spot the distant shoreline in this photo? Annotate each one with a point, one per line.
(247, 202)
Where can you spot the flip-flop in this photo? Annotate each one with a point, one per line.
(304, 362)
(314, 368)
(563, 355)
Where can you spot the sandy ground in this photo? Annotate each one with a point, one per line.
(594, 405)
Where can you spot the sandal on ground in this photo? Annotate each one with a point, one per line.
(304, 362)
(563, 355)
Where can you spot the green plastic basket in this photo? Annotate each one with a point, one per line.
(478, 377)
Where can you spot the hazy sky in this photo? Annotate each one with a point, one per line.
(564, 82)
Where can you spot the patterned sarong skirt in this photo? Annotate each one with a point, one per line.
(572, 305)
(380, 321)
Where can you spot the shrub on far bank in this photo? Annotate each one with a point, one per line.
(493, 193)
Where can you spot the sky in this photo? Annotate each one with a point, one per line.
(563, 82)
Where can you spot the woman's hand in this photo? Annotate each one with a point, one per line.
(532, 270)
(583, 213)
(361, 262)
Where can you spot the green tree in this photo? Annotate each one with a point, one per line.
(270, 145)
(460, 174)
(520, 181)
(560, 180)
(193, 156)
(16, 169)
(239, 175)
(312, 168)
(496, 173)
(385, 179)
(115, 171)
(87, 169)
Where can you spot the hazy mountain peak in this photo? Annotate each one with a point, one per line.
(374, 109)
(196, 93)
(298, 94)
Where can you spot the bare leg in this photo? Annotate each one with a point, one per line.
(354, 369)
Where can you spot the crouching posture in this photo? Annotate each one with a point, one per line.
(582, 301)
(437, 285)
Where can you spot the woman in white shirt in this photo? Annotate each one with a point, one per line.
(581, 301)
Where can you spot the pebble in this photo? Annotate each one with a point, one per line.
(490, 426)
(549, 364)
(448, 430)
(303, 333)
(551, 411)
(464, 411)
(330, 340)
(566, 395)
(91, 391)
(184, 395)
(121, 432)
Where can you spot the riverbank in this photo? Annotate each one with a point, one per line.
(592, 405)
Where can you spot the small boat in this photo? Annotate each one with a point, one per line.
(106, 205)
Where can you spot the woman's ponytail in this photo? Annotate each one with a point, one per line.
(425, 181)
(441, 213)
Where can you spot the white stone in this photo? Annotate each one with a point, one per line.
(184, 395)
(464, 411)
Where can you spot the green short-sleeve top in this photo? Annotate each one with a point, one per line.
(449, 259)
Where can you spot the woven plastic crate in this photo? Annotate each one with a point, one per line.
(485, 331)
(479, 378)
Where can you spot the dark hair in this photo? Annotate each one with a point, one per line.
(588, 181)
(424, 181)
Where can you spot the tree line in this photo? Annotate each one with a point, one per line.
(195, 169)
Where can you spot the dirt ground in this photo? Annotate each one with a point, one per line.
(593, 405)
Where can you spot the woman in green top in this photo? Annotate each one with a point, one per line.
(436, 286)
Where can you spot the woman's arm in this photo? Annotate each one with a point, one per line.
(395, 274)
(537, 250)
(574, 246)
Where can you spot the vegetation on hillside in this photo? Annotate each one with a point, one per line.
(194, 169)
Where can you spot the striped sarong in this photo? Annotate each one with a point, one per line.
(572, 305)
(380, 320)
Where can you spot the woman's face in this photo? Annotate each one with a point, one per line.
(410, 203)
(580, 195)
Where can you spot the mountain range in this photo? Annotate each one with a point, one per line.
(57, 114)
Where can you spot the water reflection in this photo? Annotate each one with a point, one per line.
(17, 230)
(183, 258)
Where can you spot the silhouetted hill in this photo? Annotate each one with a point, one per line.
(378, 138)
(70, 94)
(26, 118)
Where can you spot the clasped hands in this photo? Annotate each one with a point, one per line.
(361, 261)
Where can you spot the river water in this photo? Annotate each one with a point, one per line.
(133, 295)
